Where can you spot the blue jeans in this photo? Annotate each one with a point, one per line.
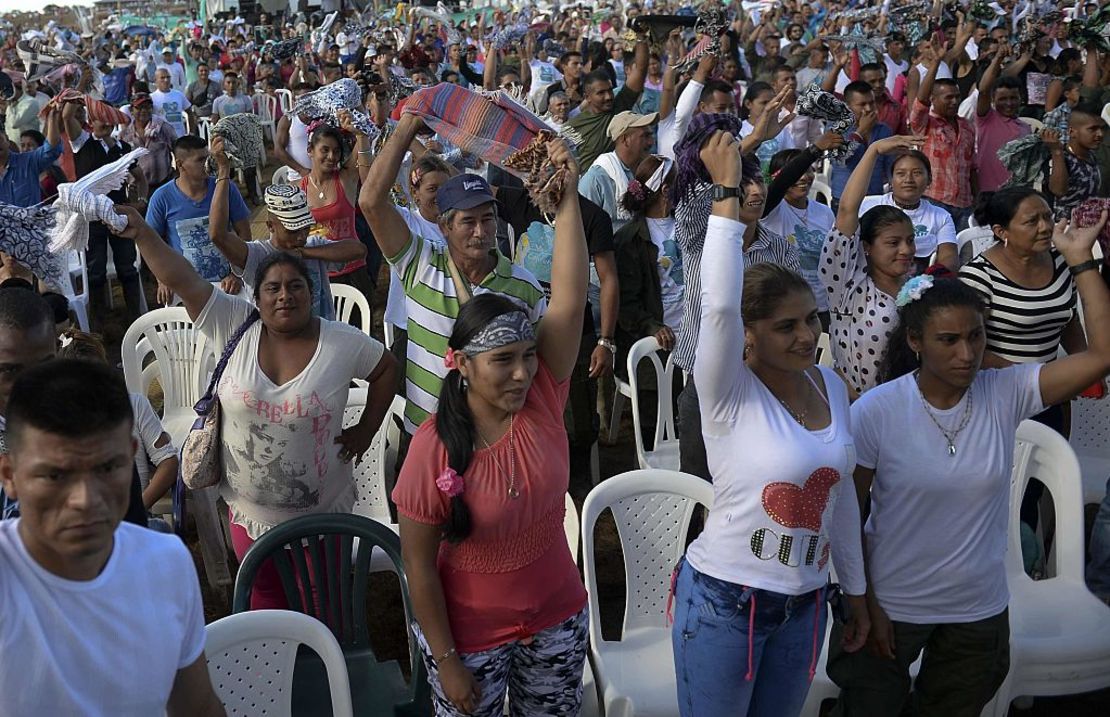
(1098, 563)
(715, 625)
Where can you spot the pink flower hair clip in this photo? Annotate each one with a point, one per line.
(449, 360)
(450, 483)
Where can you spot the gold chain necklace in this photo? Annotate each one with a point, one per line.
(513, 493)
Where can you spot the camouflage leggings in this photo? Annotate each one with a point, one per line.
(543, 677)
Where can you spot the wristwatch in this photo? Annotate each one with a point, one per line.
(608, 343)
(721, 192)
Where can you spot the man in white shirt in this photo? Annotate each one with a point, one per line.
(23, 113)
(170, 64)
(171, 103)
(100, 617)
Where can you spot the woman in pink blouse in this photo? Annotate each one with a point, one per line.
(497, 599)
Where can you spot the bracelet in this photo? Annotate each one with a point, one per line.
(223, 179)
(607, 343)
(366, 151)
(446, 656)
(1078, 269)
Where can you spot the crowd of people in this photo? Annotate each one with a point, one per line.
(927, 183)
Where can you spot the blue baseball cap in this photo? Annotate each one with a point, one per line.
(463, 191)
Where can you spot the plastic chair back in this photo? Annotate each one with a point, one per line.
(652, 510)
(1090, 439)
(1044, 454)
(329, 554)
(185, 361)
(820, 188)
(824, 351)
(973, 241)
(285, 100)
(265, 106)
(370, 497)
(78, 302)
(666, 436)
(347, 299)
(571, 526)
(251, 657)
(1034, 124)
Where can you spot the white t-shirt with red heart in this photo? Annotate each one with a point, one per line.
(784, 501)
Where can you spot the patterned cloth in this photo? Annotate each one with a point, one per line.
(491, 126)
(326, 102)
(1087, 214)
(1092, 30)
(871, 49)
(1026, 158)
(24, 235)
(39, 59)
(711, 24)
(951, 152)
(284, 49)
(242, 134)
(542, 677)
(442, 15)
(96, 110)
(820, 105)
(86, 201)
(508, 36)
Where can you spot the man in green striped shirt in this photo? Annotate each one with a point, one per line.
(468, 221)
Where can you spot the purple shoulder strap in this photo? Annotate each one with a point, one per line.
(205, 403)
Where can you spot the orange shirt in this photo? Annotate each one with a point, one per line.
(514, 575)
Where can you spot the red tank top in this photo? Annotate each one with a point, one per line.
(339, 218)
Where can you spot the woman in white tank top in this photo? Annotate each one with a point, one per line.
(298, 142)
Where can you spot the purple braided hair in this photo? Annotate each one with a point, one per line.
(691, 171)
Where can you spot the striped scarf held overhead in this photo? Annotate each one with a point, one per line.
(497, 129)
(96, 110)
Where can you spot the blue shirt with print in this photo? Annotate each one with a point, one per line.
(183, 223)
(19, 184)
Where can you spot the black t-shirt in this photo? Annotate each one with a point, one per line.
(517, 209)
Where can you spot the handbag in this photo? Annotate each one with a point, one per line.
(201, 466)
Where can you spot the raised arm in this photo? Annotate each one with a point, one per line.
(1058, 166)
(280, 143)
(925, 89)
(636, 74)
(986, 82)
(361, 168)
(569, 274)
(1064, 378)
(387, 224)
(847, 215)
(229, 243)
(169, 268)
(796, 168)
(72, 125)
(718, 367)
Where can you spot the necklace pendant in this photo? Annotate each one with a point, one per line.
(514, 493)
(320, 195)
(951, 449)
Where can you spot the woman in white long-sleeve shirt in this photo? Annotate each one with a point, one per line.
(935, 450)
(750, 594)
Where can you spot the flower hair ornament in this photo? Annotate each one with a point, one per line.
(914, 289)
(637, 190)
(450, 483)
(449, 360)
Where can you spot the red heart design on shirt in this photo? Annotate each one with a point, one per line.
(800, 507)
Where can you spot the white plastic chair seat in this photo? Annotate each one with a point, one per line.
(1090, 439)
(639, 674)
(251, 658)
(347, 299)
(1063, 630)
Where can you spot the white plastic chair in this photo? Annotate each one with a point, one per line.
(973, 241)
(652, 510)
(251, 656)
(265, 106)
(184, 361)
(665, 451)
(285, 100)
(369, 474)
(78, 303)
(113, 275)
(204, 128)
(1090, 439)
(821, 187)
(1059, 631)
(347, 299)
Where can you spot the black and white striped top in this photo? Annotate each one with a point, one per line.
(1023, 325)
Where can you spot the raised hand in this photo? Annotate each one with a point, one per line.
(721, 156)
(898, 143)
(1076, 243)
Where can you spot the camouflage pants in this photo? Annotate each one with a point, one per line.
(543, 677)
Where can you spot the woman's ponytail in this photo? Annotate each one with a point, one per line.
(455, 428)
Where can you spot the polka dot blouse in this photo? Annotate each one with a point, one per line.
(862, 316)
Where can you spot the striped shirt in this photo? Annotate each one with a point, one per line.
(691, 223)
(1023, 325)
(433, 306)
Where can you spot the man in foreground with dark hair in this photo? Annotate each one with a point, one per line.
(27, 338)
(107, 617)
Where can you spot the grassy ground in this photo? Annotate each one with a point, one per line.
(385, 611)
